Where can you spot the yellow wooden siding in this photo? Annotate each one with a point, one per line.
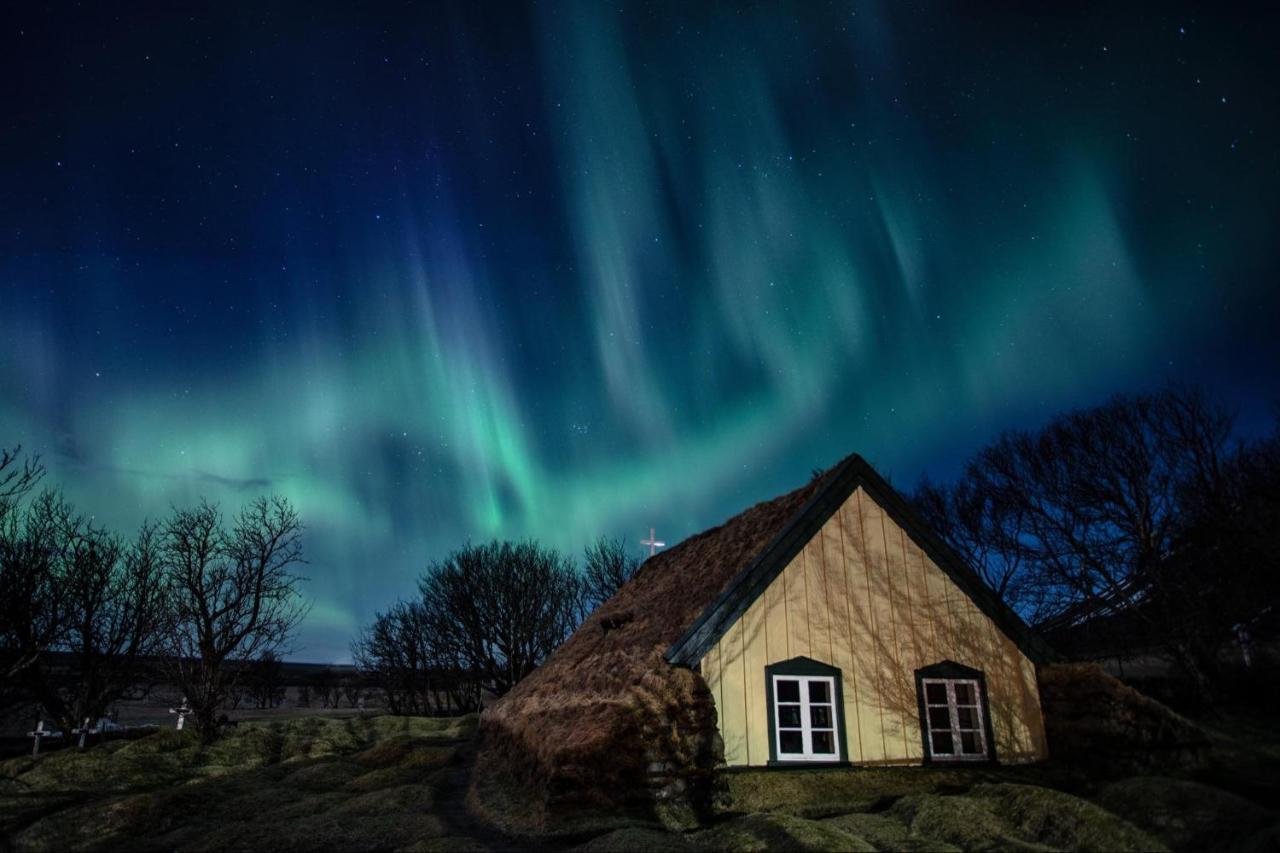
(755, 654)
(870, 714)
(863, 597)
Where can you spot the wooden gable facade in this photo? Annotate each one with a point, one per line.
(858, 619)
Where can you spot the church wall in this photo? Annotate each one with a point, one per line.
(863, 597)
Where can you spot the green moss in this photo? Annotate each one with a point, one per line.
(885, 832)
(823, 793)
(322, 775)
(965, 822)
(638, 840)
(778, 832)
(1060, 820)
(401, 799)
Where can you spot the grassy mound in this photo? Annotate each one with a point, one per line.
(828, 792)
(885, 832)
(1059, 820)
(352, 784)
(638, 840)
(914, 808)
(1098, 723)
(1189, 816)
(779, 832)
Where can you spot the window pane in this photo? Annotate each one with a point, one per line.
(819, 691)
(789, 716)
(968, 717)
(969, 743)
(788, 691)
(791, 742)
(942, 743)
(964, 694)
(935, 694)
(820, 716)
(824, 743)
(939, 719)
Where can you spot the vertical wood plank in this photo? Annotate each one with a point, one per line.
(777, 638)
(755, 653)
(733, 716)
(835, 568)
(880, 634)
(818, 601)
(906, 613)
(870, 745)
(797, 607)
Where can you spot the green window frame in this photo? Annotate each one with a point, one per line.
(955, 725)
(805, 707)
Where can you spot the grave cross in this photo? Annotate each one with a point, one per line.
(182, 711)
(653, 543)
(36, 736)
(84, 730)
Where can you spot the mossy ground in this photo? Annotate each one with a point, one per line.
(353, 784)
(392, 783)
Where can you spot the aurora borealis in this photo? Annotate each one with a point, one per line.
(442, 273)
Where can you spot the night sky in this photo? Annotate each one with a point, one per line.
(440, 274)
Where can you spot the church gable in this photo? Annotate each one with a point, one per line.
(863, 595)
(799, 533)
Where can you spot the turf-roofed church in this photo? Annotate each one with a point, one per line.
(828, 625)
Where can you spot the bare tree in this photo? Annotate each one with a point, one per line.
(35, 549)
(18, 476)
(416, 667)
(326, 688)
(113, 599)
(988, 534)
(501, 608)
(233, 594)
(79, 608)
(352, 691)
(1088, 513)
(397, 654)
(607, 565)
(264, 679)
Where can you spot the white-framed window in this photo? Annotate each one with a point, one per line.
(805, 725)
(953, 714)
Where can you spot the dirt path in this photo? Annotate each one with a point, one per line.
(451, 807)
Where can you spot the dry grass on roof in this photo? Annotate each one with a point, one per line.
(664, 598)
(606, 708)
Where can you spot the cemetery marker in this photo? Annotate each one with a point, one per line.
(182, 710)
(84, 730)
(36, 736)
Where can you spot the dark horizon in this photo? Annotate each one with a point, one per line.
(551, 270)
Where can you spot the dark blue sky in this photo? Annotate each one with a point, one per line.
(441, 273)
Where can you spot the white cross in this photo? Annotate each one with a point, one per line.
(653, 543)
(182, 710)
(84, 730)
(36, 736)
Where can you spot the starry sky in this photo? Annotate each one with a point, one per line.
(441, 273)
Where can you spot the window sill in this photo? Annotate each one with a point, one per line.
(812, 765)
